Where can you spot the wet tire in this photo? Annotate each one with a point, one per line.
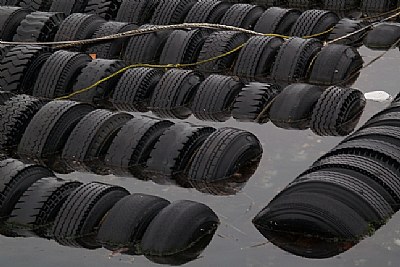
(337, 111)
(215, 97)
(138, 12)
(68, 7)
(336, 65)
(173, 94)
(313, 22)
(37, 5)
(171, 11)
(254, 101)
(294, 59)
(242, 16)
(106, 9)
(20, 67)
(126, 222)
(256, 58)
(10, 18)
(207, 11)
(225, 153)
(91, 138)
(39, 27)
(15, 179)
(80, 216)
(277, 20)
(16, 114)
(293, 107)
(135, 88)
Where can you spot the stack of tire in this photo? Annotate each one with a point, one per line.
(346, 194)
(34, 202)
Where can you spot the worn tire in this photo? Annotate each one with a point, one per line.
(207, 11)
(106, 9)
(138, 12)
(242, 16)
(171, 11)
(68, 7)
(10, 18)
(36, 5)
(277, 20)
(371, 7)
(346, 26)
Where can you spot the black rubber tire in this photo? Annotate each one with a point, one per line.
(337, 111)
(171, 11)
(172, 155)
(217, 44)
(242, 16)
(106, 9)
(35, 5)
(138, 12)
(111, 49)
(313, 22)
(58, 74)
(131, 147)
(68, 7)
(336, 64)
(39, 27)
(5, 96)
(294, 60)
(254, 101)
(4, 49)
(80, 216)
(126, 222)
(89, 141)
(256, 58)
(371, 7)
(293, 107)
(46, 134)
(215, 97)
(93, 72)
(346, 26)
(340, 5)
(304, 4)
(183, 47)
(207, 11)
(10, 18)
(388, 134)
(225, 152)
(145, 48)
(383, 37)
(277, 20)
(16, 114)
(15, 179)
(135, 88)
(38, 207)
(20, 67)
(173, 94)
(78, 26)
(178, 227)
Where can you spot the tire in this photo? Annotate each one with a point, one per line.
(336, 65)
(340, 5)
(138, 12)
(80, 216)
(4, 49)
(294, 59)
(305, 4)
(346, 26)
(106, 9)
(5, 96)
(89, 141)
(183, 47)
(225, 152)
(46, 134)
(178, 227)
(313, 22)
(131, 147)
(242, 15)
(277, 20)
(10, 18)
(58, 74)
(111, 49)
(371, 7)
(388, 134)
(207, 11)
(20, 67)
(216, 45)
(171, 157)
(383, 37)
(253, 102)
(256, 58)
(135, 88)
(16, 114)
(15, 179)
(35, 5)
(293, 107)
(337, 111)
(173, 94)
(93, 72)
(215, 97)
(145, 48)
(68, 7)
(171, 11)
(385, 119)
(39, 27)
(38, 207)
(119, 231)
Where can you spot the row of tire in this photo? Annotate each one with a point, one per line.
(34, 202)
(68, 136)
(347, 193)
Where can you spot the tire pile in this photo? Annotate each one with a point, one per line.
(35, 203)
(345, 195)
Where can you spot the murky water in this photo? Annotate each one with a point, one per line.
(237, 242)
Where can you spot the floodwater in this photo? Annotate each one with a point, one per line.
(237, 242)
